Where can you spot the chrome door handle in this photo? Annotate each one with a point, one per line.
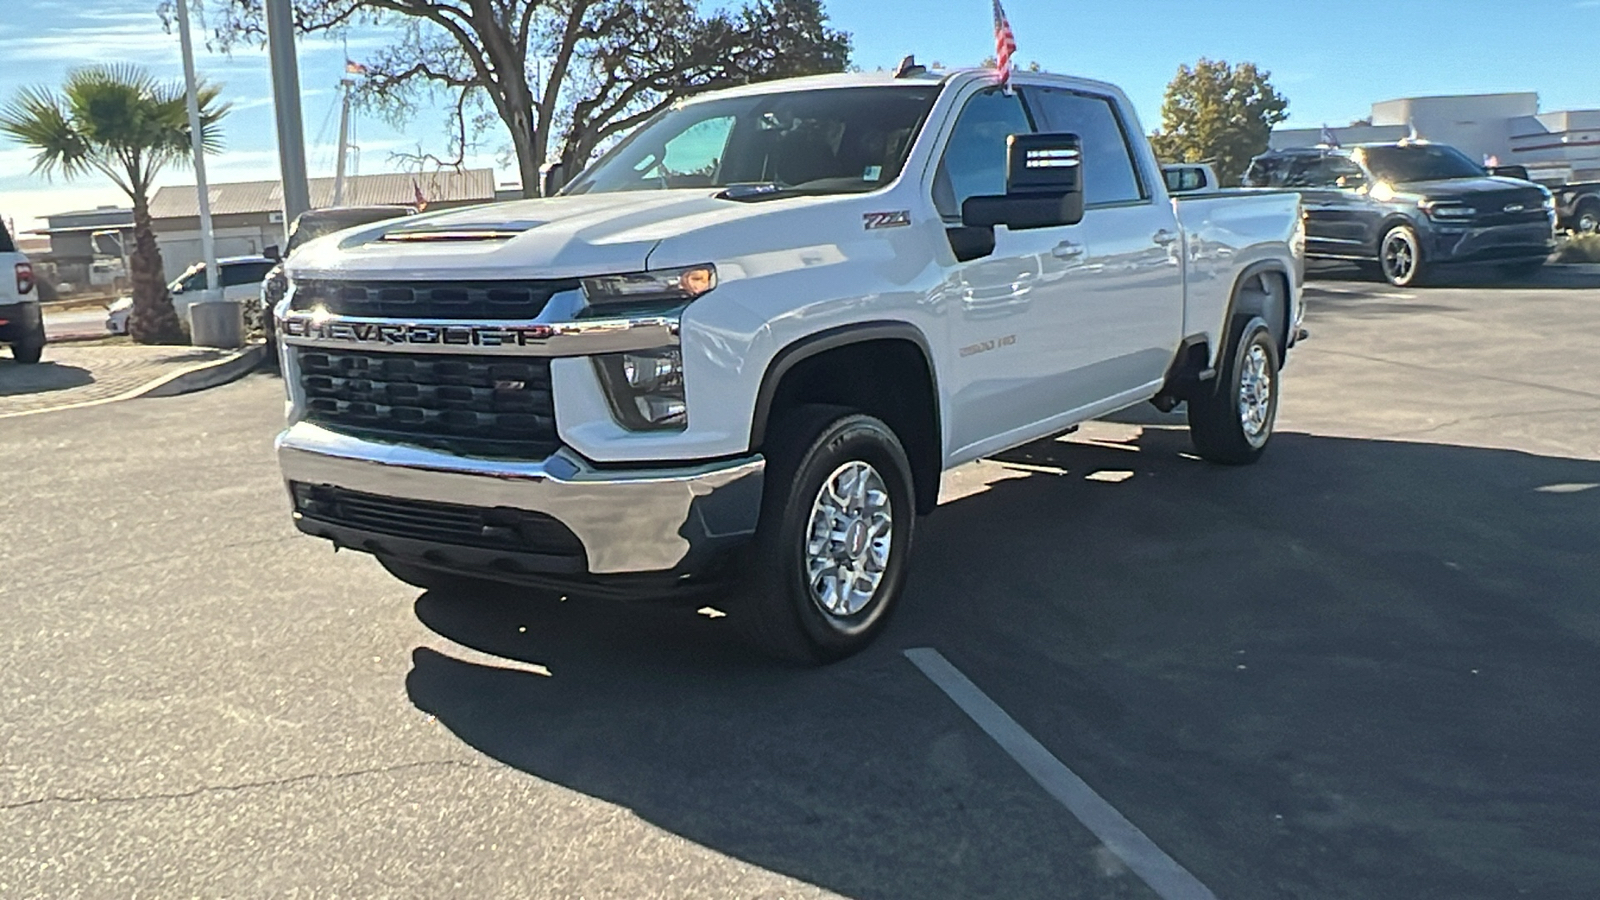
(1164, 237)
(1067, 250)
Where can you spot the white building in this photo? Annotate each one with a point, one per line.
(1557, 147)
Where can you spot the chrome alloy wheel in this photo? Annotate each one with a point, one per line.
(852, 528)
(1255, 395)
(1399, 258)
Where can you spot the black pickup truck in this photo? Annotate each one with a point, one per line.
(1406, 208)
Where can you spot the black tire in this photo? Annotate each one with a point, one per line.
(437, 579)
(1586, 218)
(1217, 418)
(1400, 256)
(30, 351)
(780, 611)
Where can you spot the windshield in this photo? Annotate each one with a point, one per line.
(1421, 162)
(842, 140)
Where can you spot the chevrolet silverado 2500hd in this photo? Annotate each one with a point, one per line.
(748, 340)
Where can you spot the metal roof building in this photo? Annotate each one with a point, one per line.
(247, 216)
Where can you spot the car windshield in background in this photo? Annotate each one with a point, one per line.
(1420, 162)
(846, 140)
(5, 240)
(317, 223)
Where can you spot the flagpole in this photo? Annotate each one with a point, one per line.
(208, 243)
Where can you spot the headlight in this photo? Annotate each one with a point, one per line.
(645, 388)
(1550, 203)
(651, 287)
(1446, 210)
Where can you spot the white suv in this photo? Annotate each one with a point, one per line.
(21, 324)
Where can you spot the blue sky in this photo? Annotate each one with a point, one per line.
(1331, 59)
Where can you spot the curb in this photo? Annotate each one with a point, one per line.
(77, 338)
(204, 375)
(70, 305)
(197, 377)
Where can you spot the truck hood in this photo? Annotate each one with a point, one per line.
(554, 237)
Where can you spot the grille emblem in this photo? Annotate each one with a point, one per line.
(510, 385)
(1514, 207)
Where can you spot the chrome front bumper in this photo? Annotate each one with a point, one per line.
(643, 520)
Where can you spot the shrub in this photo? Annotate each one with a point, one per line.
(1580, 248)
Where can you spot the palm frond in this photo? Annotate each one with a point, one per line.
(37, 118)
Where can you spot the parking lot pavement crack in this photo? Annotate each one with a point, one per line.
(308, 778)
(1490, 417)
(1457, 373)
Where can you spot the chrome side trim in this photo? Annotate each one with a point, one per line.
(586, 337)
(644, 520)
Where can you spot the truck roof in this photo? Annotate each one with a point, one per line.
(887, 78)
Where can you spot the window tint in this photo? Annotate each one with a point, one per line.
(1109, 172)
(1300, 171)
(244, 273)
(5, 240)
(846, 140)
(974, 163)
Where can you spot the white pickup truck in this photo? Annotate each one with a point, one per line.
(737, 352)
(21, 324)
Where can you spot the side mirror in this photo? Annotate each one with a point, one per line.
(1352, 182)
(1044, 186)
(273, 253)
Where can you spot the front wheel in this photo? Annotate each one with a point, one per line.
(1232, 423)
(1400, 256)
(830, 554)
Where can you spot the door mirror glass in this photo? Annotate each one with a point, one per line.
(1354, 181)
(1044, 186)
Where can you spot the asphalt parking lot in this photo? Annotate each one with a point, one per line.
(1364, 668)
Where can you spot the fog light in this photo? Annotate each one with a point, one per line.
(645, 388)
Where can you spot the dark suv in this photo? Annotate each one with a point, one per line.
(1403, 209)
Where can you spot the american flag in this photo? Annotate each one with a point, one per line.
(1328, 138)
(421, 199)
(1005, 43)
(351, 67)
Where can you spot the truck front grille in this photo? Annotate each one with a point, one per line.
(451, 300)
(466, 405)
(499, 528)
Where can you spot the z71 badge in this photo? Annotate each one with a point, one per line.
(877, 220)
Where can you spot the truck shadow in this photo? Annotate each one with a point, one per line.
(1314, 677)
(40, 378)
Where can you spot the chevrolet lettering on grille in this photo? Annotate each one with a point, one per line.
(400, 333)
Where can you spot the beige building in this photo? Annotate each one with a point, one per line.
(247, 216)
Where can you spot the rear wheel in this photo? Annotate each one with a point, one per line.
(1233, 423)
(30, 350)
(829, 559)
(1400, 256)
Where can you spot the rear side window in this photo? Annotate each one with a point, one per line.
(1110, 174)
(244, 273)
(1300, 171)
(6, 246)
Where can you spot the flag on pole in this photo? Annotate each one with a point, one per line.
(1328, 139)
(422, 200)
(351, 67)
(1005, 43)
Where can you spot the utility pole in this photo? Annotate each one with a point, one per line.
(286, 93)
(208, 244)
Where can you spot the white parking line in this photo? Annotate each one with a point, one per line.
(1161, 872)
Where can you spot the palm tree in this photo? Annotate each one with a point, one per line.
(120, 121)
